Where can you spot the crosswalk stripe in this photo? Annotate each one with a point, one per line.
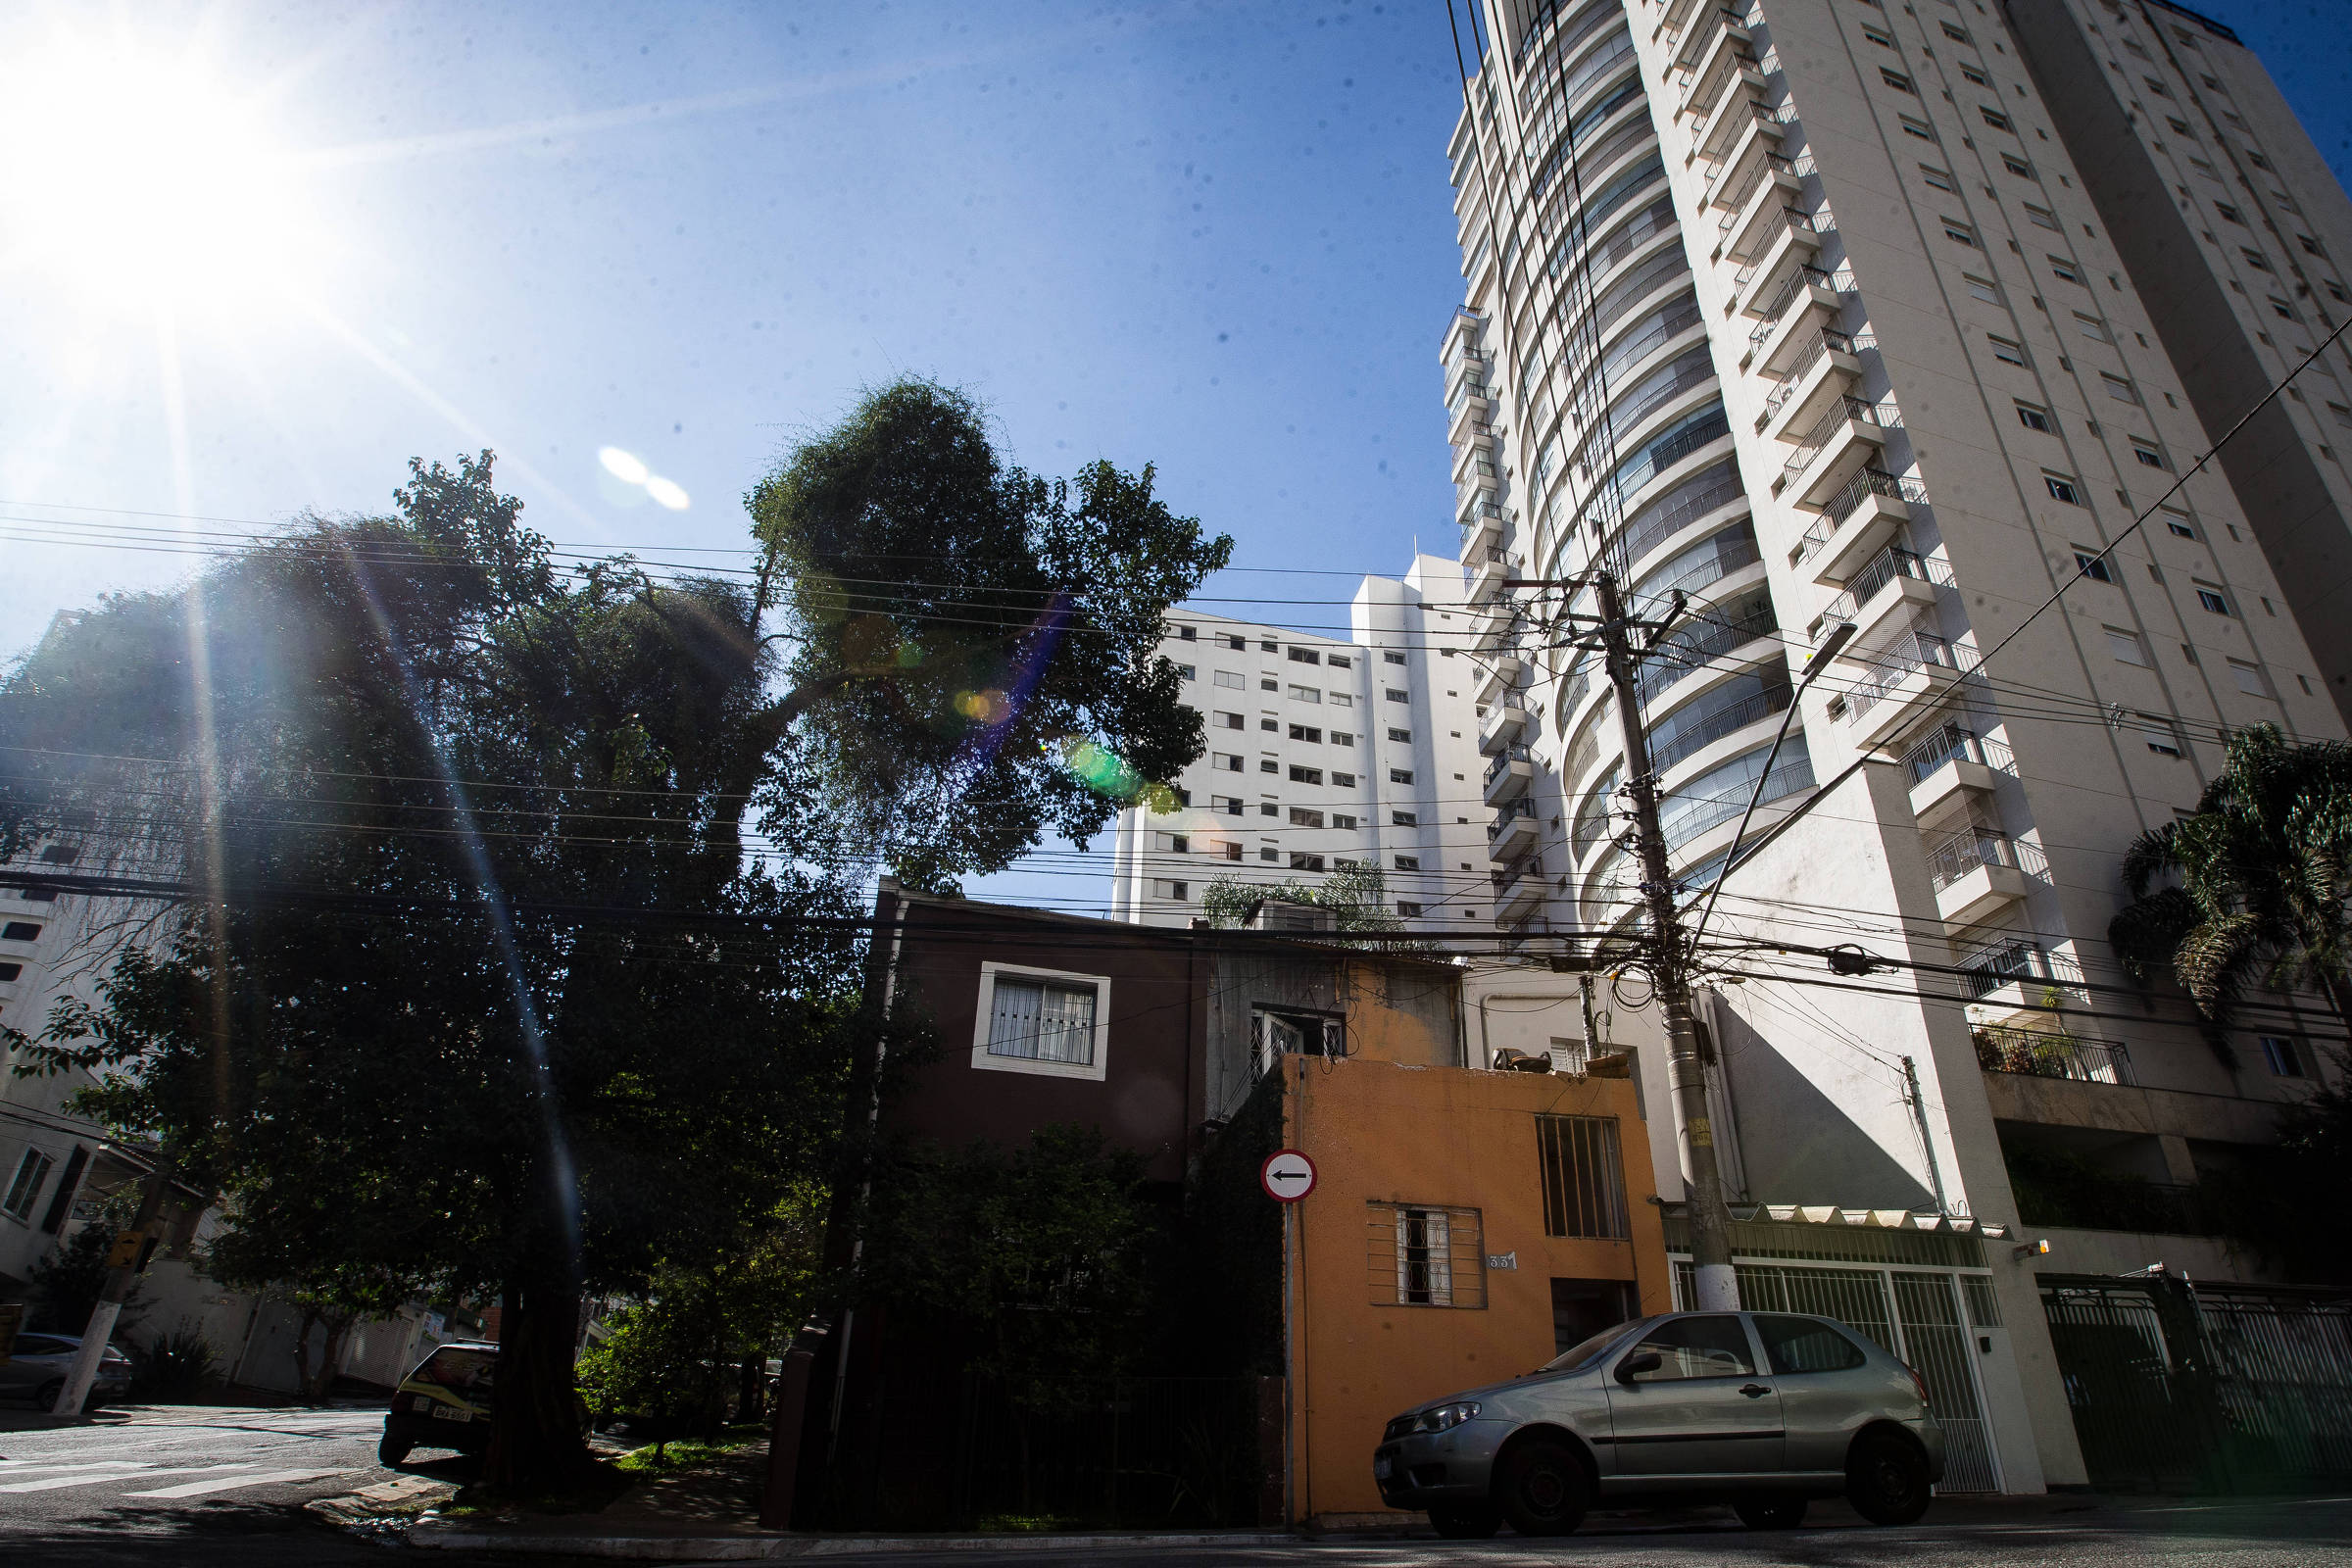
(136, 1473)
(17, 1467)
(198, 1488)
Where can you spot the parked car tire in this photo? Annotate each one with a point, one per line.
(44, 1397)
(1886, 1479)
(1543, 1488)
(392, 1450)
(1464, 1522)
(1770, 1514)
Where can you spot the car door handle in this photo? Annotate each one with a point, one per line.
(1755, 1391)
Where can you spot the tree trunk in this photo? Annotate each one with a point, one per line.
(751, 1385)
(301, 1354)
(535, 1439)
(331, 1357)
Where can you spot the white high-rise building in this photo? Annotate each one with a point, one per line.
(1325, 752)
(1818, 313)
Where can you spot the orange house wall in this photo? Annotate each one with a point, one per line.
(1379, 1131)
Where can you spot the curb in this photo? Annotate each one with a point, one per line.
(435, 1534)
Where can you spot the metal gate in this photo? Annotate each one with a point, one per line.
(1917, 1315)
(2210, 1388)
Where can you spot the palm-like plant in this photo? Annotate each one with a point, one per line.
(2262, 871)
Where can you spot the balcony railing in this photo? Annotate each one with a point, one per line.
(1885, 567)
(1702, 97)
(1716, 633)
(2047, 1054)
(2020, 961)
(1525, 866)
(1946, 742)
(1510, 755)
(1716, 725)
(1650, 528)
(1966, 851)
(1829, 340)
(1780, 113)
(1790, 218)
(1817, 440)
(1848, 500)
(1524, 806)
(1909, 655)
(1739, 194)
(1804, 277)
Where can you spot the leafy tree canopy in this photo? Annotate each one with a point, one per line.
(1357, 895)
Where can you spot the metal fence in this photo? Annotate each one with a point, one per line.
(2209, 1388)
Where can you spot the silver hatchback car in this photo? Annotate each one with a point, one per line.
(1763, 1410)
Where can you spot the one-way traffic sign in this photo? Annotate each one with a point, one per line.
(1287, 1175)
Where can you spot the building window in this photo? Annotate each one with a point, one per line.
(1341, 819)
(1268, 683)
(2041, 215)
(1239, 645)
(1969, 73)
(2119, 388)
(1994, 118)
(1959, 232)
(2311, 246)
(2211, 599)
(1404, 819)
(1584, 1177)
(2017, 166)
(1408, 862)
(1426, 1255)
(1982, 288)
(1230, 681)
(21, 931)
(2091, 327)
(2281, 1055)
(1305, 732)
(1269, 855)
(2229, 214)
(1306, 656)
(1226, 761)
(2093, 566)
(1341, 699)
(2256, 259)
(1230, 722)
(1278, 1033)
(1400, 775)
(1306, 694)
(1897, 80)
(1306, 861)
(1393, 695)
(1393, 658)
(1407, 907)
(1301, 816)
(2156, 87)
(2180, 127)
(1937, 177)
(8, 971)
(2006, 352)
(2179, 524)
(1345, 782)
(1041, 1021)
(26, 1186)
(2149, 458)
(1188, 672)
(1305, 775)
(2249, 678)
(1956, 33)
(1339, 660)
(1341, 737)
(1882, 40)
(2125, 647)
(2066, 272)
(1188, 633)
(2033, 418)
(2164, 740)
(2062, 489)
(1916, 127)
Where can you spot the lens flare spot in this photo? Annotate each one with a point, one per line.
(667, 494)
(991, 707)
(1104, 772)
(626, 466)
(909, 656)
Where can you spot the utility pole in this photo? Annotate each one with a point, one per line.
(123, 1272)
(1716, 1287)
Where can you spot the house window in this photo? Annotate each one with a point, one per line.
(2041, 215)
(1230, 681)
(1305, 775)
(1584, 1177)
(2249, 678)
(1916, 127)
(2179, 524)
(2164, 739)
(2256, 259)
(2093, 566)
(1407, 907)
(26, 1186)
(1393, 695)
(1982, 288)
(2033, 418)
(1341, 819)
(2119, 388)
(1426, 1255)
(1306, 694)
(1341, 737)
(1391, 658)
(2149, 458)
(2125, 647)
(1400, 775)
(1994, 118)
(2006, 352)
(1043, 1020)
(2017, 166)
(1972, 74)
(2281, 1054)
(1897, 80)
(1937, 177)
(1305, 732)
(1306, 656)
(1408, 862)
(2066, 272)
(2211, 599)
(1404, 819)
(1345, 782)
(1959, 232)
(2062, 489)
(1278, 1033)
(1301, 816)
(1188, 634)
(1303, 861)
(21, 931)
(1339, 660)
(1188, 672)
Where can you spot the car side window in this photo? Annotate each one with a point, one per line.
(1805, 1344)
(38, 1344)
(1712, 1346)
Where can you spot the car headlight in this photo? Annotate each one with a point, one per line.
(1439, 1417)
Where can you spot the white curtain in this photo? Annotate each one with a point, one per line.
(1043, 1022)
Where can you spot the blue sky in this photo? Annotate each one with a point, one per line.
(1216, 238)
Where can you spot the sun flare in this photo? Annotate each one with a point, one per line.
(143, 181)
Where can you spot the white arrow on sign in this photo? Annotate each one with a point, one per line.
(1286, 1176)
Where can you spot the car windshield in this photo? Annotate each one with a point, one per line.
(1578, 1357)
(468, 1372)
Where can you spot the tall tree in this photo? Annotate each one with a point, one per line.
(2251, 890)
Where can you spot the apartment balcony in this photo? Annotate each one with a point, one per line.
(1848, 437)
(1724, 54)
(1504, 726)
(1744, 175)
(1504, 675)
(1895, 582)
(1797, 237)
(1489, 575)
(1952, 764)
(1510, 775)
(1857, 522)
(1476, 501)
(1466, 367)
(1974, 872)
(1515, 830)
(1482, 530)
(2017, 975)
(1493, 628)
(1762, 127)
(2051, 1054)
(1818, 366)
(1705, 34)
(1469, 418)
(1901, 683)
(1750, 226)
(1672, 15)
(1518, 889)
(1461, 333)
(1805, 303)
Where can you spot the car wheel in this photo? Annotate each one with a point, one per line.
(1770, 1514)
(392, 1450)
(1464, 1522)
(1543, 1488)
(44, 1397)
(1886, 1479)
